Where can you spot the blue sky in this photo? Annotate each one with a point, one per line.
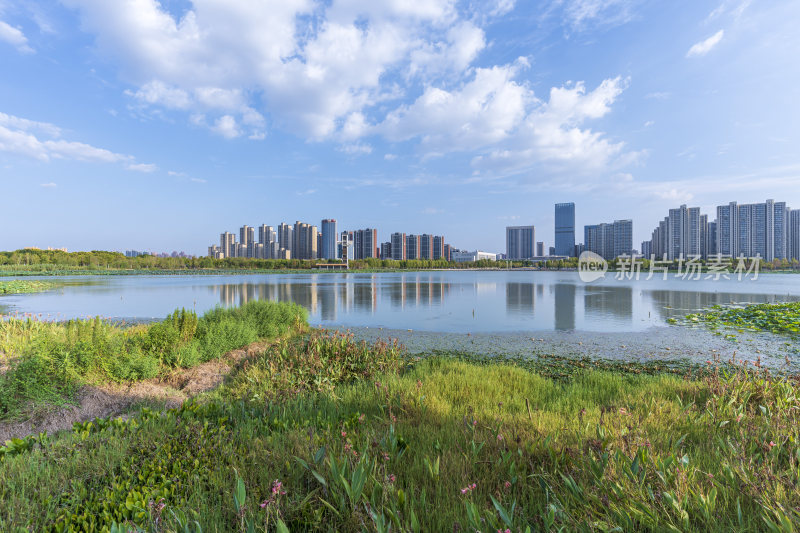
(157, 125)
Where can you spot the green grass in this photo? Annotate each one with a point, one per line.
(323, 433)
(50, 361)
(25, 286)
(783, 318)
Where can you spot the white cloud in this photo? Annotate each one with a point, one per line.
(501, 7)
(198, 180)
(50, 185)
(227, 127)
(356, 149)
(311, 64)
(346, 70)
(704, 47)
(512, 130)
(483, 111)
(147, 168)
(61, 149)
(14, 37)
(28, 138)
(158, 93)
(390, 157)
(582, 13)
(27, 125)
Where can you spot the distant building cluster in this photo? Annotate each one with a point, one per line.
(306, 241)
(608, 240)
(136, 253)
(770, 230)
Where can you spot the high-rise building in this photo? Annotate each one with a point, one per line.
(781, 234)
(247, 239)
(520, 242)
(565, 229)
(365, 243)
(328, 249)
(623, 237)
(540, 249)
(684, 233)
(426, 246)
(398, 242)
(728, 230)
(711, 239)
(704, 236)
(285, 238)
(794, 233)
(413, 248)
(438, 247)
(305, 241)
(647, 249)
(227, 244)
(609, 240)
(386, 250)
(761, 229)
(448, 252)
(266, 236)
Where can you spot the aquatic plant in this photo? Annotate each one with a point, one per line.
(395, 450)
(783, 318)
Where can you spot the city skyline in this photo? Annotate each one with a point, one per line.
(467, 118)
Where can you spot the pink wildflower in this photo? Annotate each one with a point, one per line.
(507, 485)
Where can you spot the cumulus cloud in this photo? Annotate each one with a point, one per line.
(14, 37)
(227, 127)
(704, 47)
(483, 111)
(346, 70)
(41, 140)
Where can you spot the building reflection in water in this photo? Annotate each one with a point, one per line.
(604, 301)
(564, 296)
(327, 299)
(521, 297)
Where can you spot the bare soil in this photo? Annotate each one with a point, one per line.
(118, 400)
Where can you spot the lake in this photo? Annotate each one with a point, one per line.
(441, 301)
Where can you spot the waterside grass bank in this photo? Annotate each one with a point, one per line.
(319, 432)
(45, 363)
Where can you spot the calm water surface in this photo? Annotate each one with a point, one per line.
(453, 302)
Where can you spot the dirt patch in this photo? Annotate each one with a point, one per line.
(115, 400)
